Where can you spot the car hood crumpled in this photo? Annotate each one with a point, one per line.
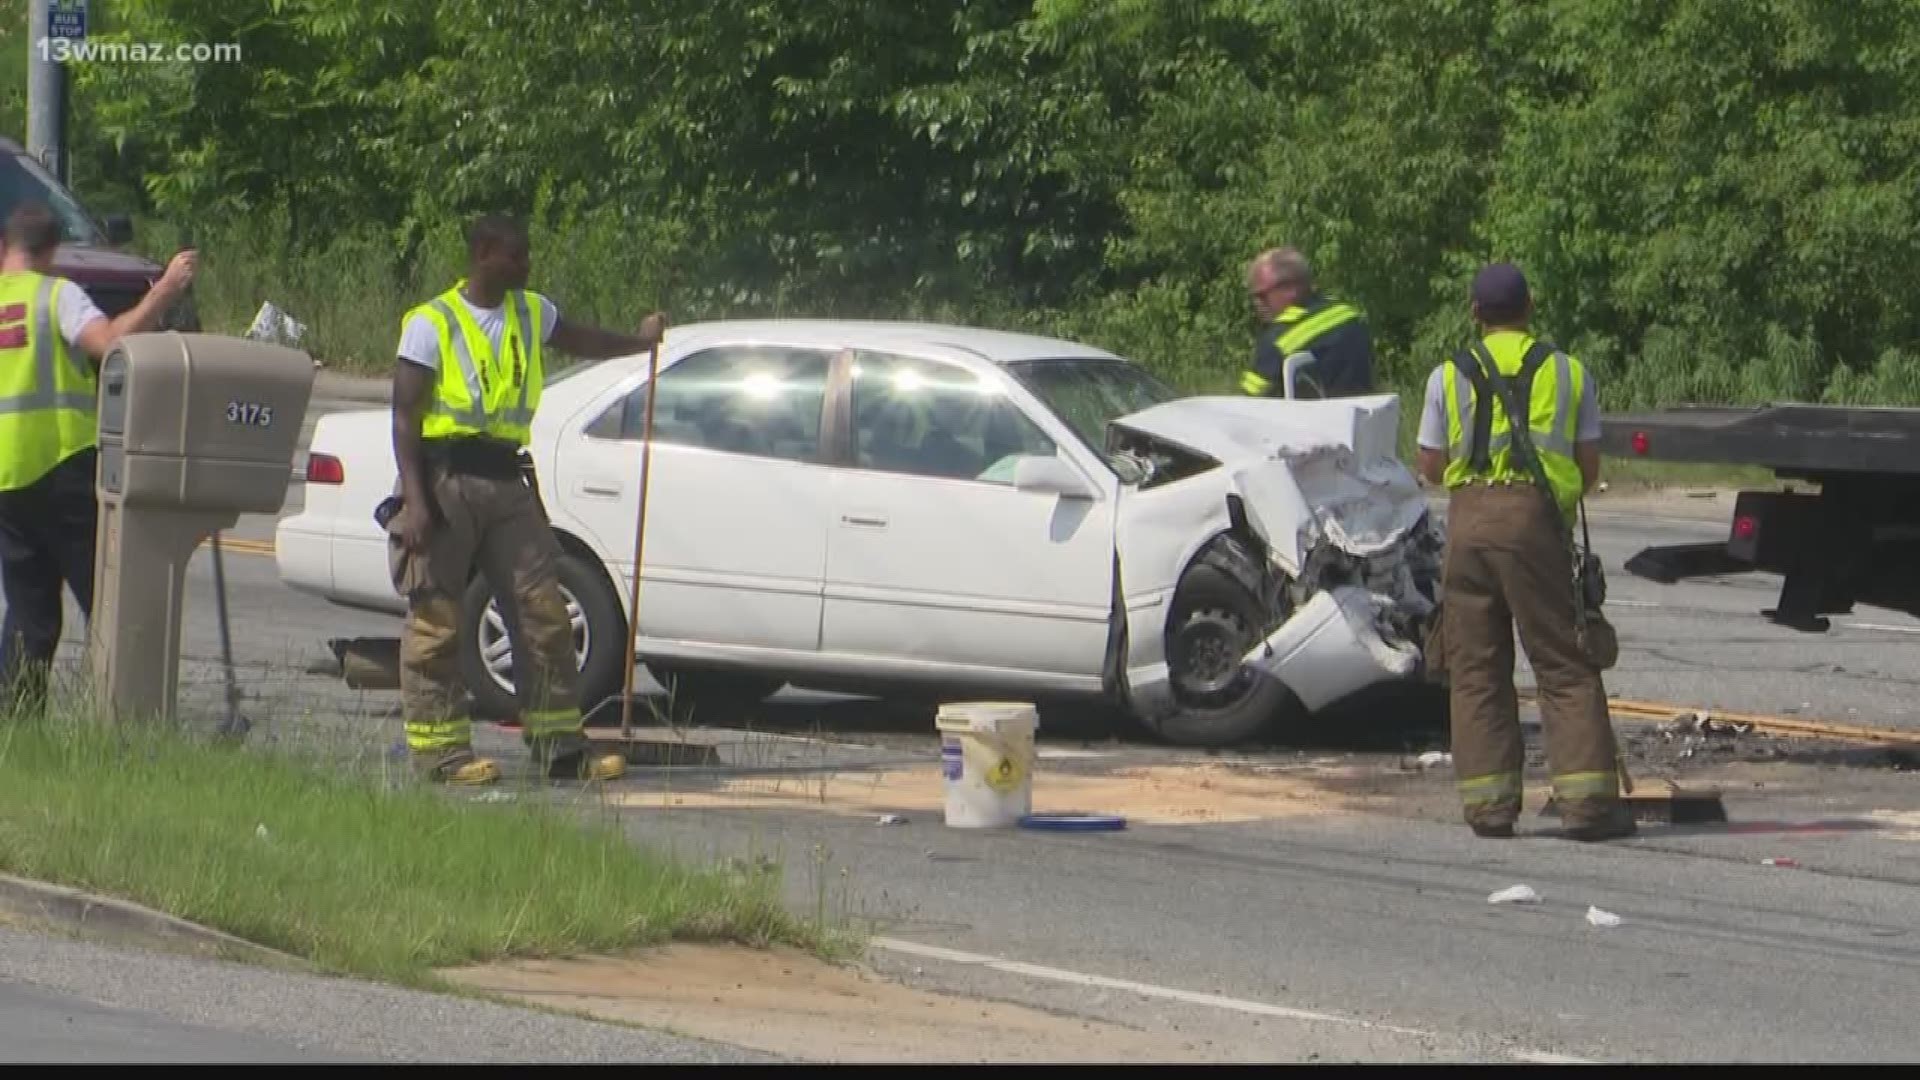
(1306, 472)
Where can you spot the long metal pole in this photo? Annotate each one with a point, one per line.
(235, 725)
(639, 542)
(46, 135)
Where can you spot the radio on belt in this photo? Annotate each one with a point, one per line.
(195, 430)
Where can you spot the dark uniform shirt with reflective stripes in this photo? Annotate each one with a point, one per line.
(1342, 357)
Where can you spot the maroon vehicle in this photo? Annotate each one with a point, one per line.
(116, 280)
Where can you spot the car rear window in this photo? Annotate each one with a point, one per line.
(22, 179)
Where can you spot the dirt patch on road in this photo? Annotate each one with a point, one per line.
(1154, 794)
(788, 1003)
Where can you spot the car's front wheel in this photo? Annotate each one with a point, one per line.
(599, 640)
(1214, 622)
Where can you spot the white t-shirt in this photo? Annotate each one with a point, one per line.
(76, 309)
(420, 340)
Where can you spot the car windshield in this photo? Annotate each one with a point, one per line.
(22, 178)
(1087, 393)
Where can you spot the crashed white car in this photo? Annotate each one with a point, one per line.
(925, 511)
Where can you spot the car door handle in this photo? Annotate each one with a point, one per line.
(601, 489)
(863, 521)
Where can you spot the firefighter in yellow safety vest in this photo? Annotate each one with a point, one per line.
(1509, 565)
(471, 365)
(52, 339)
(1301, 320)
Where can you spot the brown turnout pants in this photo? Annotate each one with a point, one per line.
(1507, 567)
(496, 522)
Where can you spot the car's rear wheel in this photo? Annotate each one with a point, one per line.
(599, 639)
(1214, 622)
(711, 697)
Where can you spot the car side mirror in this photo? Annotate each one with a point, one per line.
(1050, 474)
(119, 229)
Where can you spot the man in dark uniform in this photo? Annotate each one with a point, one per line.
(1301, 320)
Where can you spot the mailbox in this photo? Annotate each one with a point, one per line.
(195, 430)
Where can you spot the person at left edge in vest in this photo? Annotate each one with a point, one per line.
(52, 339)
(1299, 318)
(471, 365)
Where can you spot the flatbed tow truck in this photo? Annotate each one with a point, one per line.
(1855, 538)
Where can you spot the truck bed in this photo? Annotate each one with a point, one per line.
(1807, 440)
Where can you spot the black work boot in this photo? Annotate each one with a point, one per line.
(1614, 823)
(455, 765)
(571, 757)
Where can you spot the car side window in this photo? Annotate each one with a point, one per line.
(926, 418)
(747, 399)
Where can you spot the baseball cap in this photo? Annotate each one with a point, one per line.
(1500, 289)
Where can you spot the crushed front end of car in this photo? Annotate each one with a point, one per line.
(1317, 491)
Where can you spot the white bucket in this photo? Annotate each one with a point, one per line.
(986, 758)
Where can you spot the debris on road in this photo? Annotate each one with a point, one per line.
(892, 819)
(1603, 919)
(1518, 894)
(275, 326)
(1700, 730)
(1779, 862)
(1435, 759)
(1074, 822)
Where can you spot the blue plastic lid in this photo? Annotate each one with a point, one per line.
(1074, 822)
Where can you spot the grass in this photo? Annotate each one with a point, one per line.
(1624, 474)
(379, 877)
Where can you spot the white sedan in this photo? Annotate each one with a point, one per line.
(915, 510)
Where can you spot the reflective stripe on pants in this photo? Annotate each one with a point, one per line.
(429, 735)
(1586, 785)
(546, 723)
(1495, 789)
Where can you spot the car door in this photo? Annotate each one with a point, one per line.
(933, 556)
(735, 542)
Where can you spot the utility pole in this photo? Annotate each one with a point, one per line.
(46, 92)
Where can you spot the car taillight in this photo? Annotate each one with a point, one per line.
(1745, 526)
(325, 469)
(1641, 442)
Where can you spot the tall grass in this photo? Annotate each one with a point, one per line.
(382, 877)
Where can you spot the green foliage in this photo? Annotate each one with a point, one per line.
(1715, 199)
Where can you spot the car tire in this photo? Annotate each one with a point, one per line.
(1214, 621)
(711, 697)
(600, 637)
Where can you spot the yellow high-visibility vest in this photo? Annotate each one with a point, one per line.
(1553, 404)
(482, 392)
(48, 392)
(1299, 329)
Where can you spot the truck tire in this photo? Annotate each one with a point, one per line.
(710, 697)
(1213, 622)
(599, 639)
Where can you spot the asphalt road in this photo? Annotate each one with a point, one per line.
(1347, 937)
(71, 1001)
(1385, 922)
